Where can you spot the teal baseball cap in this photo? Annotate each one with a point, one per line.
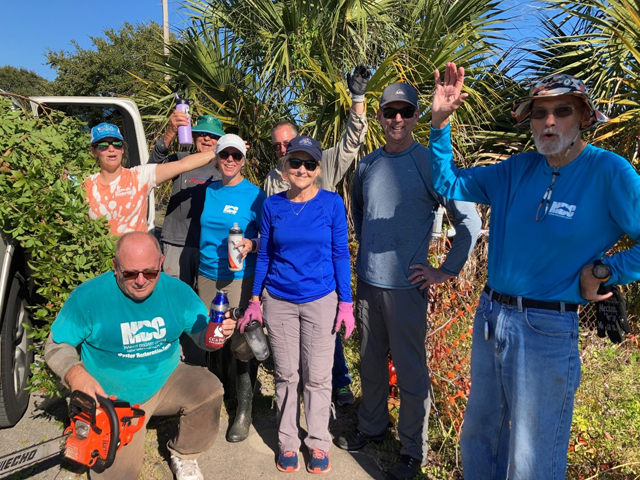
(105, 130)
(209, 124)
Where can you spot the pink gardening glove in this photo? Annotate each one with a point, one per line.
(251, 313)
(345, 315)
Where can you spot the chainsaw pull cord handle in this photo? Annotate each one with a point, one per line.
(110, 410)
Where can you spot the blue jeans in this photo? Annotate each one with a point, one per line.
(523, 382)
(340, 372)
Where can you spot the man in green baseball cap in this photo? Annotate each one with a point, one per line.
(181, 229)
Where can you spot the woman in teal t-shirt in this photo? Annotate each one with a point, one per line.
(231, 200)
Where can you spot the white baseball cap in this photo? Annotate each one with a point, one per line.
(231, 140)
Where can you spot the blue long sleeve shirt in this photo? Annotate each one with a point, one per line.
(595, 200)
(393, 204)
(304, 251)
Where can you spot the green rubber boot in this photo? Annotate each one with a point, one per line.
(239, 431)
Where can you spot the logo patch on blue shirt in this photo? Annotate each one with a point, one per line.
(561, 209)
(230, 209)
(142, 331)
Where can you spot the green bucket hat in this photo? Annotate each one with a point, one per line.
(210, 124)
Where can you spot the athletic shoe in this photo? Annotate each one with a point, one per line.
(318, 461)
(185, 469)
(356, 440)
(404, 469)
(344, 396)
(288, 462)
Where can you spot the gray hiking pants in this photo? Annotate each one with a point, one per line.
(302, 341)
(397, 320)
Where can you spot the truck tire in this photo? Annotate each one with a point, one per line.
(15, 354)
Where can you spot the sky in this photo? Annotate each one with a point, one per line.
(31, 27)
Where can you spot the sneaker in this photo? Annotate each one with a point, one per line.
(318, 461)
(288, 461)
(344, 396)
(185, 469)
(356, 440)
(404, 469)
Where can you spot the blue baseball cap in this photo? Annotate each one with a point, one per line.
(399, 92)
(105, 130)
(305, 144)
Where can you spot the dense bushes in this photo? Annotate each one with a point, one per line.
(44, 160)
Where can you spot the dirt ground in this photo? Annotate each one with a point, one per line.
(253, 458)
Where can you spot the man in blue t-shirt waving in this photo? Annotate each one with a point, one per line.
(127, 324)
(545, 259)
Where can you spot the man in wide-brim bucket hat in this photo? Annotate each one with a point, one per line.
(555, 86)
(556, 211)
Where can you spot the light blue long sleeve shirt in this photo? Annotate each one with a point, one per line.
(595, 200)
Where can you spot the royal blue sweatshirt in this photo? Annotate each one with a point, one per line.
(304, 254)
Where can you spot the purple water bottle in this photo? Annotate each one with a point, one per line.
(214, 337)
(184, 132)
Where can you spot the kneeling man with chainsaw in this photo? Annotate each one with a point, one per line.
(127, 324)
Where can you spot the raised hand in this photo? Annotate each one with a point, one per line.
(358, 82)
(447, 96)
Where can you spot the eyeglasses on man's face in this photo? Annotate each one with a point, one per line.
(405, 112)
(561, 111)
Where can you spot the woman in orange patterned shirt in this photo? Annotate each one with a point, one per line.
(121, 194)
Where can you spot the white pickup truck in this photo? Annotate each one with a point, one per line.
(16, 289)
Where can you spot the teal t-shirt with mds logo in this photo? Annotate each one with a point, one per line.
(131, 348)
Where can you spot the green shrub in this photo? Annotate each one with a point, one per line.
(43, 162)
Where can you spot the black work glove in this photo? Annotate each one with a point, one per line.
(358, 82)
(611, 315)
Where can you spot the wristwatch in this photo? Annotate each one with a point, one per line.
(254, 245)
(601, 271)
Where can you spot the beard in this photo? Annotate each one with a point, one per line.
(560, 144)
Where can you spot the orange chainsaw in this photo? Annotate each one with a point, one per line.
(94, 437)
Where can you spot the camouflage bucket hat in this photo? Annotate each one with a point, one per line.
(555, 86)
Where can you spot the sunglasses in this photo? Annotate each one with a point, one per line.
(280, 145)
(296, 163)
(405, 112)
(237, 156)
(212, 136)
(117, 144)
(133, 274)
(562, 111)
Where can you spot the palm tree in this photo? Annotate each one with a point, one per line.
(256, 61)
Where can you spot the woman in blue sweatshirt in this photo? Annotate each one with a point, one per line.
(303, 278)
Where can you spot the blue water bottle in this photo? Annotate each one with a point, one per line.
(214, 337)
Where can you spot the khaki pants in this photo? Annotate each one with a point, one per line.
(302, 341)
(239, 294)
(192, 392)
